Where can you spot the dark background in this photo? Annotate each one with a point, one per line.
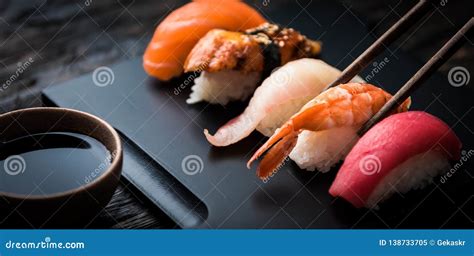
(68, 38)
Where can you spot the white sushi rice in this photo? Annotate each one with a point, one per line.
(322, 150)
(223, 86)
(415, 173)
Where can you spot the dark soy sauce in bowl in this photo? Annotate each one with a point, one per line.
(49, 163)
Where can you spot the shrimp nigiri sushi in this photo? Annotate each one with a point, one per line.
(232, 64)
(279, 97)
(177, 34)
(344, 106)
(402, 152)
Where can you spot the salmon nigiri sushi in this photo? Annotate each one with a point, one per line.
(335, 115)
(402, 152)
(232, 64)
(181, 30)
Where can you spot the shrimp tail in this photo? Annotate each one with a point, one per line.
(276, 156)
(279, 134)
(291, 128)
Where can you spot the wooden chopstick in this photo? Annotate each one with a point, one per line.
(401, 26)
(426, 71)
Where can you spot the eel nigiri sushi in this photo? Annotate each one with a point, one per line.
(232, 64)
(181, 30)
(279, 97)
(402, 152)
(346, 105)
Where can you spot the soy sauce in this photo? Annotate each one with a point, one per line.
(48, 163)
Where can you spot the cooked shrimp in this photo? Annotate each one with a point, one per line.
(341, 106)
(279, 97)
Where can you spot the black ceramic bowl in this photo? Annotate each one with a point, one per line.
(73, 207)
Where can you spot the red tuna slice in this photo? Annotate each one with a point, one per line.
(387, 145)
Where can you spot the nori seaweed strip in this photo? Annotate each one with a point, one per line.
(270, 50)
(271, 58)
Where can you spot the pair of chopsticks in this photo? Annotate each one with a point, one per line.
(407, 21)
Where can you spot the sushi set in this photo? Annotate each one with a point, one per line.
(222, 86)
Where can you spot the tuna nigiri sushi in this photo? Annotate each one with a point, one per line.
(181, 30)
(279, 97)
(344, 106)
(232, 64)
(402, 152)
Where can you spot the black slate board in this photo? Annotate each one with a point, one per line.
(160, 130)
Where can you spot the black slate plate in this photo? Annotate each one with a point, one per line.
(160, 130)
